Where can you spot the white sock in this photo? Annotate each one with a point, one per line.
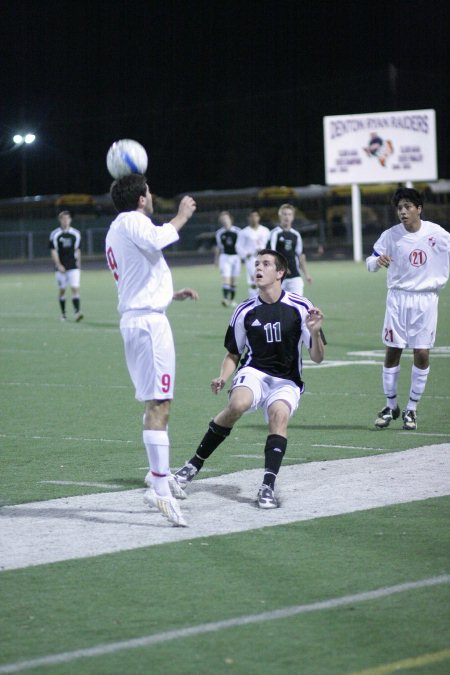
(390, 385)
(418, 383)
(157, 447)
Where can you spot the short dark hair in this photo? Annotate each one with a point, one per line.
(407, 193)
(125, 191)
(280, 261)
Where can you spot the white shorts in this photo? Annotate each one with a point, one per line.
(267, 389)
(150, 355)
(410, 319)
(68, 278)
(293, 285)
(229, 265)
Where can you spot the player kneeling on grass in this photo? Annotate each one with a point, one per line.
(266, 334)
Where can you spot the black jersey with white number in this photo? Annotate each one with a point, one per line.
(290, 244)
(226, 239)
(66, 242)
(270, 336)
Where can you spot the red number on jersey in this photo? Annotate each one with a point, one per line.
(388, 335)
(417, 258)
(112, 263)
(165, 381)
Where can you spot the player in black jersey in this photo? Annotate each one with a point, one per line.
(227, 258)
(265, 337)
(64, 244)
(288, 241)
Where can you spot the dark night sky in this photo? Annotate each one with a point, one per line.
(223, 94)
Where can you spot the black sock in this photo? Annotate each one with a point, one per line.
(76, 304)
(62, 304)
(274, 453)
(210, 441)
(232, 292)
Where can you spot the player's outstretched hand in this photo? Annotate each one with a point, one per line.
(314, 320)
(217, 385)
(186, 293)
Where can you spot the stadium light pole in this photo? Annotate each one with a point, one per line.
(22, 140)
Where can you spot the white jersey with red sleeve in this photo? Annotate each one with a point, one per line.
(133, 251)
(419, 260)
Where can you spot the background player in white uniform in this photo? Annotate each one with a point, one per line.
(267, 334)
(251, 239)
(288, 241)
(227, 258)
(144, 283)
(416, 255)
(64, 244)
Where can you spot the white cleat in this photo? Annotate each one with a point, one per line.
(176, 489)
(167, 506)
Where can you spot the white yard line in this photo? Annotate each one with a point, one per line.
(347, 447)
(109, 486)
(216, 626)
(69, 438)
(84, 526)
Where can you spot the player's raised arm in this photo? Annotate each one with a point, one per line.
(185, 210)
(314, 324)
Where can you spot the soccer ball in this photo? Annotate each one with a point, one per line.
(126, 156)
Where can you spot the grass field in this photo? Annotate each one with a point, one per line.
(70, 423)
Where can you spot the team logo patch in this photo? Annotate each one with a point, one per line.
(417, 258)
(431, 242)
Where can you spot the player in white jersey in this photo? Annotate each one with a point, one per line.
(252, 239)
(416, 255)
(226, 257)
(266, 334)
(144, 283)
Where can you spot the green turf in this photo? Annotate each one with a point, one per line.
(68, 413)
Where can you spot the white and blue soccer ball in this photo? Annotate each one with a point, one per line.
(126, 156)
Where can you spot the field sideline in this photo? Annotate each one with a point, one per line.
(71, 428)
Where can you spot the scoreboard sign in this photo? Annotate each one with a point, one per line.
(390, 147)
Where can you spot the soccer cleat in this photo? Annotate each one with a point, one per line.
(184, 475)
(63, 317)
(225, 302)
(385, 417)
(78, 316)
(409, 418)
(168, 506)
(266, 499)
(176, 489)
